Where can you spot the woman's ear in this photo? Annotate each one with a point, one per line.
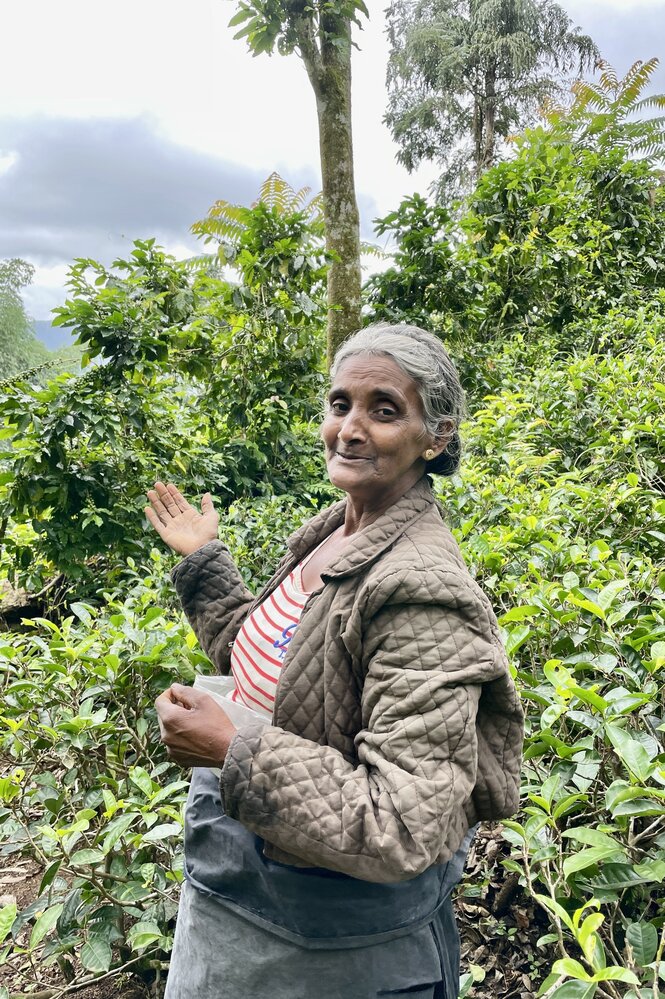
(443, 436)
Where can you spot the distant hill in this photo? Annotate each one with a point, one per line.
(52, 336)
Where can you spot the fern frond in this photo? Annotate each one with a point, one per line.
(275, 192)
(655, 101)
(228, 212)
(316, 204)
(634, 82)
(640, 70)
(203, 263)
(651, 145)
(300, 198)
(223, 221)
(588, 95)
(608, 77)
(551, 111)
(372, 250)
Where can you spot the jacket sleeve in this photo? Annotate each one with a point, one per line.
(214, 598)
(427, 650)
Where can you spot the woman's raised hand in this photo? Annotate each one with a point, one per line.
(177, 522)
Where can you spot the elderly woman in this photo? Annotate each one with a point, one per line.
(385, 725)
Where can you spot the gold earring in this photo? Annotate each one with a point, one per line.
(429, 454)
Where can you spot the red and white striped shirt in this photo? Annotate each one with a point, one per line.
(260, 646)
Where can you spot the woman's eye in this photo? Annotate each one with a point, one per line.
(384, 411)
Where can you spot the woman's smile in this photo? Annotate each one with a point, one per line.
(351, 457)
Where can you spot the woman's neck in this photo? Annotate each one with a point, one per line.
(362, 511)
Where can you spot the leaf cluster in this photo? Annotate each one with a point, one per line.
(206, 381)
(463, 77)
(295, 24)
(561, 512)
(565, 229)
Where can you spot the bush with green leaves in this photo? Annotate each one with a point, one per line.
(560, 511)
(561, 231)
(206, 382)
(88, 790)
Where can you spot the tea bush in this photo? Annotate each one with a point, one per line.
(207, 382)
(88, 790)
(559, 511)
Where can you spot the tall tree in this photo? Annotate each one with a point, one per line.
(464, 74)
(320, 32)
(19, 347)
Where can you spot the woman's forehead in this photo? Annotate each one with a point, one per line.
(373, 373)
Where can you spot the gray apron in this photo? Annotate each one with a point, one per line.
(250, 928)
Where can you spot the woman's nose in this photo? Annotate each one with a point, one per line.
(352, 427)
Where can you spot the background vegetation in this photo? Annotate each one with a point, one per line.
(547, 285)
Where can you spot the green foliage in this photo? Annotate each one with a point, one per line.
(256, 530)
(267, 24)
(412, 288)
(19, 347)
(277, 248)
(202, 381)
(320, 32)
(549, 290)
(564, 230)
(561, 513)
(88, 789)
(463, 77)
(610, 113)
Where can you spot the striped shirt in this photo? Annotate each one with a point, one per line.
(260, 646)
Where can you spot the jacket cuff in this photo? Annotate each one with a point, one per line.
(195, 560)
(236, 772)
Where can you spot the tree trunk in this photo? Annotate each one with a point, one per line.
(489, 119)
(329, 68)
(477, 139)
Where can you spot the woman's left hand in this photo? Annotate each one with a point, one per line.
(194, 729)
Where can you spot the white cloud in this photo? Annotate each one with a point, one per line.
(7, 161)
(46, 291)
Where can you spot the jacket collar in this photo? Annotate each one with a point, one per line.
(370, 542)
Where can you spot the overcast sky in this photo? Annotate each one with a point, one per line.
(128, 119)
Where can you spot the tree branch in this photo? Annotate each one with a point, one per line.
(310, 54)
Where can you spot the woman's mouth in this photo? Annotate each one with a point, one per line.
(350, 457)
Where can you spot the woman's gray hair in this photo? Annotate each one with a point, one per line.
(422, 357)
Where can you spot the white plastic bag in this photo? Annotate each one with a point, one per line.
(220, 688)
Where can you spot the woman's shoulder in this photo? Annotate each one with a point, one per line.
(425, 565)
(428, 544)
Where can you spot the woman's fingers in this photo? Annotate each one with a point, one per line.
(154, 519)
(158, 507)
(179, 499)
(167, 498)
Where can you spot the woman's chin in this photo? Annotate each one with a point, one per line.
(347, 479)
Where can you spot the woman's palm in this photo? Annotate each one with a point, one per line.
(178, 523)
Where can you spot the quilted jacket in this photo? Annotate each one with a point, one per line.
(396, 723)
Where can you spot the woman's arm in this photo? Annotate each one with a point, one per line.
(215, 599)
(437, 694)
(211, 590)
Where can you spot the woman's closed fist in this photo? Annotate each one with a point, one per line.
(194, 729)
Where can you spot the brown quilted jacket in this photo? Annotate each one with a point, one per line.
(396, 723)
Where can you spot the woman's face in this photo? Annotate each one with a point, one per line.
(373, 430)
